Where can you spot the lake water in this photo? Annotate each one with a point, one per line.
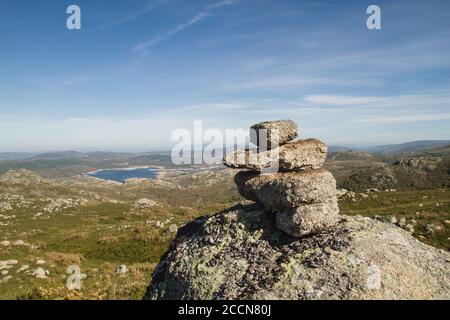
(120, 175)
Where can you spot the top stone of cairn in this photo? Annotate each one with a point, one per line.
(270, 134)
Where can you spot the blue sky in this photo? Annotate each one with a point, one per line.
(139, 69)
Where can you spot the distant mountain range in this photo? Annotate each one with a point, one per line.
(393, 149)
(15, 155)
(408, 147)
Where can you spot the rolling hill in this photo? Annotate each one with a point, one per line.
(407, 147)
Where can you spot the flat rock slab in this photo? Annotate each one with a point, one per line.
(282, 191)
(246, 159)
(273, 133)
(303, 155)
(294, 156)
(309, 218)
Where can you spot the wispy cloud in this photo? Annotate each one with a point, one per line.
(439, 99)
(143, 47)
(275, 82)
(147, 44)
(364, 110)
(342, 100)
(417, 117)
(221, 4)
(77, 80)
(58, 81)
(152, 5)
(280, 81)
(215, 107)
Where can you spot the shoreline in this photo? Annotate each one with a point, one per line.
(125, 169)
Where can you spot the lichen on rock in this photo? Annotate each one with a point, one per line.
(241, 254)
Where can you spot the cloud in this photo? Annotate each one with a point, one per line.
(349, 63)
(48, 80)
(435, 99)
(143, 47)
(215, 107)
(407, 118)
(280, 81)
(221, 4)
(77, 80)
(152, 5)
(275, 82)
(382, 116)
(413, 108)
(147, 44)
(342, 100)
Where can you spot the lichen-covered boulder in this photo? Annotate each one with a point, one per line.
(240, 254)
(294, 156)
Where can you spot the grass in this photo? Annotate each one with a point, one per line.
(427, 207)
(98, 236)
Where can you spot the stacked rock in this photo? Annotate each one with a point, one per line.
(301, 193)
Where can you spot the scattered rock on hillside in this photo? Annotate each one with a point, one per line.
(22, 177)
(5, 279)
(122, 269)
(145, 203)
(40, 273)
(5, 243)
(19, 243)
(173, 228)
(23, 268)
(5, 206)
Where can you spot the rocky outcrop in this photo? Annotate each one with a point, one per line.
(241, 254)
(292, 243)
(421, 165)
(380, 176)
(23, 177)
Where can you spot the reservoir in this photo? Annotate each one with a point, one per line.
(120, 175)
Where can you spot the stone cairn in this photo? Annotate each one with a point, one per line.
(300, 192)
